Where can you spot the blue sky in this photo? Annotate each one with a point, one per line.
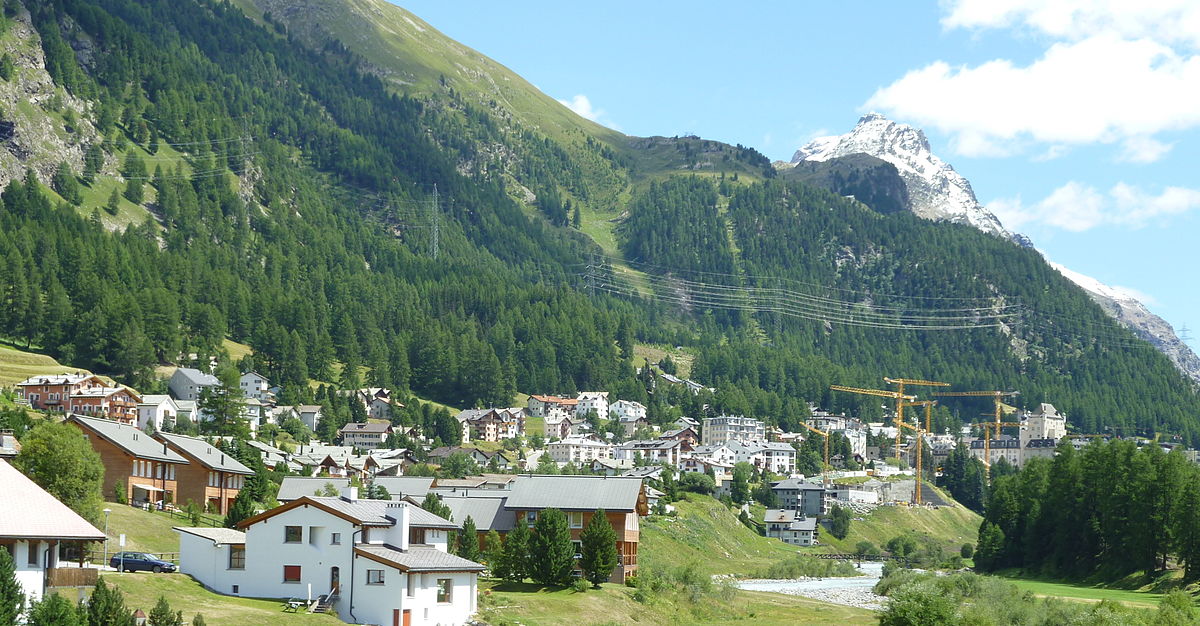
(1077, 125)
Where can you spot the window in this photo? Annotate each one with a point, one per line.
(292, 534)
(291, 573)
(444, 587)
(416, 535)
(412, 585)
(530, 516)
(33, 553)
(237, 557)
(578, 546)
(576, 519)
(335, 539)
(374, 577)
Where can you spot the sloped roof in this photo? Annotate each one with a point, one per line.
(40, 515)
(157, 399)
(293, 487)
(57, 379)
(368, 427)
(487, 513)
(205, 453)
(398, 486)
(795, 483)
(128, 438)
(196, 377)
(417, 559)
(575, 493)
(219, 536)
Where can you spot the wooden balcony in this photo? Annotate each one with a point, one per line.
(71, 577)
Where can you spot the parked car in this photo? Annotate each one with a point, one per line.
(139, 561)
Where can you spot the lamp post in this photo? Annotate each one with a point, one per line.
(106, 512)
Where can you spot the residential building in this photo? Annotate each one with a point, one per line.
(540, 406)
(114, 403)
(310, 414)
(398, 487)
(156, 412)
(775, 457)
(493, 424)
(481, 457)
(590, 401)
(1005, 447)
(9, 446)
(135, 463)
(652, 451)
(255, 385)
(210, 478)
(52, 392)
(686, 436)
(376, 400)
(578, 450)
(188, 411)
(725, 428)
(645, 472)
(282, 413)
(624, 501)
(702, 466)
(368, 436)
(33, 526)
(368, 561)
(631, 415)
(797, 495)
(557, 424)
(720, 453)
(188, 383)
(791, 526)
(611, 467)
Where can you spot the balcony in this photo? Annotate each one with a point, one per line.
(71, 577)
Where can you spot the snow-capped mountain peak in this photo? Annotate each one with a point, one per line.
(936, 191)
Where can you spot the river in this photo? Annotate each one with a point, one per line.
(854, 591)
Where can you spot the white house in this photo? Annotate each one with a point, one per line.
(702, 465)
(310, 414)
(779, 458)
(578, 450)
(557, 424)
(790, 526)
(187, 383)
(33, 524)
(255, 385)
(631, 415)
(157, 411)
(368, 561)
(651, 451)
(731, 428)
(368, 436)
(592, 401)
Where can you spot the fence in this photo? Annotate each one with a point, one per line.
(97, 556)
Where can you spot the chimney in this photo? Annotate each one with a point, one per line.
(350, 492)
(398, 511)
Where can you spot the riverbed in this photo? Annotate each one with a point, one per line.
(850, 591)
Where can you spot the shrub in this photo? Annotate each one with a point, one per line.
(120, 492)
(966, 551)
(579, 585)
(919, 604)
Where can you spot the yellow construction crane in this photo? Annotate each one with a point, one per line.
(883, 393)
(920, 432)
(900, 383)
(987, 441)
(823, 434)
(996, 399)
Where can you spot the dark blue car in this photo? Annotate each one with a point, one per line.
(139, 561)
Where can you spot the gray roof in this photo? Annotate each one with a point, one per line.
(795, 483)
(265, 447)
(487, 513)
(206, 453)
(219, 536)
(399, 486)
(421, 559)
(378, 512)
(196, 377)
(293, 487)
(129, 439)
(366, 427)
(156, 399)
(650, 471)
(650, 444)
(575, 493)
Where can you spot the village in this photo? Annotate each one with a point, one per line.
(351, 531)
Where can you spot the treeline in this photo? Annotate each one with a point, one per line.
(1110, 510)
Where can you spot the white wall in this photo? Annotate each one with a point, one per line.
(209, 564)
(30, 577)
(266, 554)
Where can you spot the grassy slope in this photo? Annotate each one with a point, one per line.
(683, 358)
(954, 526)
(144, 530)
(709, 535)
(142, 590)
(1069, 591)
(16, 365)
(613, 604)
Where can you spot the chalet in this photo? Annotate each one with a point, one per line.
(211, 477)
(368, 436)
(52, 392)
(493, 424)
(376, 400)
(367, 561)
(540, 406)
(156, 412)
(188, 383)
(146, 469)
(791, 526)
(687, 437)
(557, 424)
(624, 501)
(256, 386)
(34, 526)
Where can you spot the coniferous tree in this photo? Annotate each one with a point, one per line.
(839, 522)
(493, 554)
(515, 564)
(53, 610)
(12, 600)
(161, 614)
(66, 185)
(434, 504)
(551, 554)
(468, 540)
(599, 549)
(243, 507)
(106, 607)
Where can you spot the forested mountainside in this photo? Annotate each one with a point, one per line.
(280, 192)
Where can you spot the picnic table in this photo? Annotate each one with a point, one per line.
(292, 605)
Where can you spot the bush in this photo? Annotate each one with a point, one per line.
(120, 492)
(805, 566)
(919, 604)
(579, 585)
(866, 549)
(966, 551)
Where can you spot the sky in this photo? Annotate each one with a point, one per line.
(1077, 122)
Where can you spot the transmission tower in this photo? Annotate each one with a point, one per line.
(435, 224)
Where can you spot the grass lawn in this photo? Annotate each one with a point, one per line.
(183, 593)
(507, 603)
(17, 365)
(954, 526)
(708, 535)
(145, 531)
(1085, 593)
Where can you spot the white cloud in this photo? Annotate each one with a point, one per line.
(1078, 207)
(1113, 71)
(582, 107)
